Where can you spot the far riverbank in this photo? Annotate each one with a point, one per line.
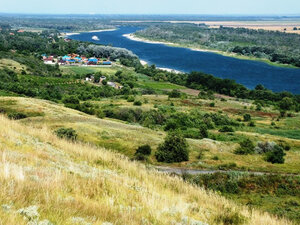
(133, 37)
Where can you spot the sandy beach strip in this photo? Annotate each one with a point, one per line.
(91, 31)
(134, 38)
(143, 62)
(98, 31)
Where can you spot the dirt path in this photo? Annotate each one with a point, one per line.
(181, 171)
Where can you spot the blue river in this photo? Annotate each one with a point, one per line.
(246, 72)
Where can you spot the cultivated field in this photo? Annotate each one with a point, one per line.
(283, 26)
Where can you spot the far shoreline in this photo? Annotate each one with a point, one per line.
(227, 54)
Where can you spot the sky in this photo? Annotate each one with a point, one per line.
(215, 7)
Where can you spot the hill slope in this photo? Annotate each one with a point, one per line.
(44, 179)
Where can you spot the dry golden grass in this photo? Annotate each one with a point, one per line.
(13, 65)
(71, 182)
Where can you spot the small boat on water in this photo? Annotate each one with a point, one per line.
(95, 38)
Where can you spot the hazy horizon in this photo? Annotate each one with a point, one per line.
(155, 7)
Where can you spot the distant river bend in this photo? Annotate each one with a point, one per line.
(246, 72)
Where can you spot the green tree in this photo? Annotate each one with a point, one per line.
(247, 117)
(71, 99)
(104, 82)
(174, 149)
(286, 103)
(275, 156)
(225, 129)
(160, 77)
(203, 131)
(246, 147)
(174, 94)
(144, 150)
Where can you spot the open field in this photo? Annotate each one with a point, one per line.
(264, 25)
(272, 25)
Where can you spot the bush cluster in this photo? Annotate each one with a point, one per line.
(67, 133)
(173, 149)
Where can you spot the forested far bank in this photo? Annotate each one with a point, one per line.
(274, 46)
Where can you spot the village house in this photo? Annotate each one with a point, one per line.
(75, 59)
(114, 85)
(49, 60)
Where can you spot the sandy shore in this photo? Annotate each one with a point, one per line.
(96, 31)
(134, 38)
(143, 62)
(69, 34)
(91, 31)
(169, 70)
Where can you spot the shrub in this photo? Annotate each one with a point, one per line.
(246, 147)
(130, 99)
(215, 158)
(286, 103)
(16, 115)
(247, 117)
(100, 114)
(174, 94)
(212, 104)
(67, 133)
(258, 107)
(140, 157)
(144, 150)
(174, 149)
(276, 156)
(171, 125)
(104, 82)
(137, 103)
(148, 91)
(71, 99)
(229, 217)
(203, 131)
(285, 145)
(251, 124)
(264, 147)
(226, 129)
(190, 133)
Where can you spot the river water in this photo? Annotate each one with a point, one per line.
(246, 72)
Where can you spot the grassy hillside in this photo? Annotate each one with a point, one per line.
(124, 137)
(46, 178)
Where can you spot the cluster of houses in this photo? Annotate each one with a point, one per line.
(75, 59)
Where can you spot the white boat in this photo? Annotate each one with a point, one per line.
(95, 38)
